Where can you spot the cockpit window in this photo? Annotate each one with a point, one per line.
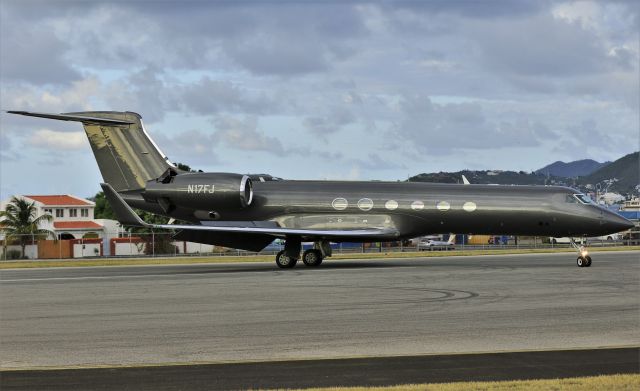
(571, 199)
(583, 198)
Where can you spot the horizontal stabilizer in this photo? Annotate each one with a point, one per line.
(124, 213)
(74, 117)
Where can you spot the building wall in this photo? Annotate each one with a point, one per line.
(30, 251)
(42, 209)
(66, 212)
(81, 250)
(133, 248)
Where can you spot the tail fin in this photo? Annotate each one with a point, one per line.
(126, 155)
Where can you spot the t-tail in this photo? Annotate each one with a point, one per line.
(126, 155)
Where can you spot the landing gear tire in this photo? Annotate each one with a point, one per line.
(312, 258)
(285, 262)
(584, 261)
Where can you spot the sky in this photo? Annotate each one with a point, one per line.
(326, 90)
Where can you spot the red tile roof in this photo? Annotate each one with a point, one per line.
(76, 225)
(58, 200)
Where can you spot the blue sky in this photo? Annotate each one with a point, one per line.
(304, 90)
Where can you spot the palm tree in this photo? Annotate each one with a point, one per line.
(19, 223)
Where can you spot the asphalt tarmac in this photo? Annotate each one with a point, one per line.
(161, 315)
(378, 371)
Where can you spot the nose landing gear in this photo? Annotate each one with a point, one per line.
(584, 259)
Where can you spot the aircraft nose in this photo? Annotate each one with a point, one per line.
(617, 223)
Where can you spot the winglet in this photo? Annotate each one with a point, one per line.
(465, 180)
(124, 213)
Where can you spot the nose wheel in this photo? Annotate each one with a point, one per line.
(584, 259)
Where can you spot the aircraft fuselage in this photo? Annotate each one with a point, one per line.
(412, 209)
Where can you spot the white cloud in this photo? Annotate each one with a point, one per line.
(501, 82)
(76, 96)
(243, 134)
(584, 12)
(59, 141)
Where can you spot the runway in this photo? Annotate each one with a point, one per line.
(213, 313)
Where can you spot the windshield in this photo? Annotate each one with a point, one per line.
(585, 199)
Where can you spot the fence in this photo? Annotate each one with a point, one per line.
(162, 245)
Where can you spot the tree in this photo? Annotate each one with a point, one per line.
(184, 167)
(19, 223)
(103, 208)
(156, 243)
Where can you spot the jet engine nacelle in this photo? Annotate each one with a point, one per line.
(203, 191)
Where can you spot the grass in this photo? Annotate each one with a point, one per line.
(270, 258)
(593, 383)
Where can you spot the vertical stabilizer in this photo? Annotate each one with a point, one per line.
(126, 155)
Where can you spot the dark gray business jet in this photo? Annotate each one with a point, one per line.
(250, 211)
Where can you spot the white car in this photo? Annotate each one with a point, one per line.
(609, 237)
(435, 245)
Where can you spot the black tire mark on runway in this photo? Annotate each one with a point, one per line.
(375, 371)
(377, 301)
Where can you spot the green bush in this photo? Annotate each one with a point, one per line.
(11, 254)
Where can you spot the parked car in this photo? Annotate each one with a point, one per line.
(564, 240)
(431, 245)
(609, 237)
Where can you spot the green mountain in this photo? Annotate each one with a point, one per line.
(572, 169)
(623, 174)
(492, 177)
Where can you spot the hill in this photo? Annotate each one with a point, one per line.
(492, 177)
(572, 169)
(624, 174)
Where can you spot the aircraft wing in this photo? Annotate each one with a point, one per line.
(127, 216)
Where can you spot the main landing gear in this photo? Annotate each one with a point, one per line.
(312, 257)
(584, 259)
(288, 257)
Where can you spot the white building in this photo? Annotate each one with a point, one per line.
(73, 218)
(610, 198)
